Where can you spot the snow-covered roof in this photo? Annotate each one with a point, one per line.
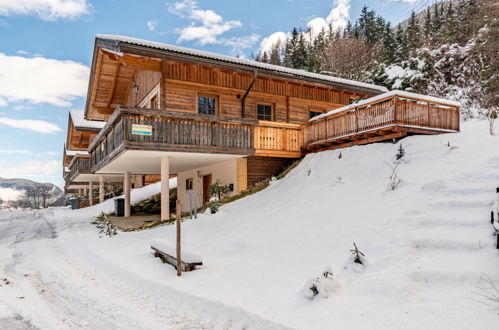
(388, 95)
(241, 61)
(79, 121)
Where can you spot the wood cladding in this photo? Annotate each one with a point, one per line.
(261, 168)
(125, 80)
(228, 79)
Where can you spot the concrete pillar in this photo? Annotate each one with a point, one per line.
(139, 181)
(79, 193)
(91, 193)
(126, 188)
(165, 187)
(101, 188)
(84, 190)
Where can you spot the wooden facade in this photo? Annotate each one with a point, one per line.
(201, 103)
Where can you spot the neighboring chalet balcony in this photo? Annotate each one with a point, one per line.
(79, 167)
(385, 117)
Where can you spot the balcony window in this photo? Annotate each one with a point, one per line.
(207, 105)
(264, 112)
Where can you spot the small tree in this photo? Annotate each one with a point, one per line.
(219, 190)
(357, 254)
(400, 152)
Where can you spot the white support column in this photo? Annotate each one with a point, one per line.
(139, 181)
(91, 193)
(101, 188)
(126, 188)
(165, 188)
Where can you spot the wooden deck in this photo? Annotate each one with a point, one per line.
(382, 119)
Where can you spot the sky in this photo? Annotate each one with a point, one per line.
(46, 48)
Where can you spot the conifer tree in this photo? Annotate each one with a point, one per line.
(413, 32)
(388, 48)
(401, 51)
(428, 27)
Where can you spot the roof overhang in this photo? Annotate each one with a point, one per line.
(121, 46)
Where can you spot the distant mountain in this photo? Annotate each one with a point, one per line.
(25, 193)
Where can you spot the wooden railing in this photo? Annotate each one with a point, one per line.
(277, 139)
(172, 131)
(79, 165)
(382, 113)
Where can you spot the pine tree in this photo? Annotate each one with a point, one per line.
(388, 48)
(300, 54)
(401, 51)
(413, 33)
(428, 27)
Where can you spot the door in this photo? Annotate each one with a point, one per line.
(206, 188)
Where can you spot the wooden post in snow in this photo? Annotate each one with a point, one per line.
(177, 222)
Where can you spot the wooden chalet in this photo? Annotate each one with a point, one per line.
(207, 117)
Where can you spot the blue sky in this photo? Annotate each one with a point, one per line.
(46, 48)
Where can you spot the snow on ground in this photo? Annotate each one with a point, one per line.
(427, 244)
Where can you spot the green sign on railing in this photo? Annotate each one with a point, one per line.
(141, 129)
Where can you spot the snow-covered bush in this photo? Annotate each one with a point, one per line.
(105, 226)
(321, 286)
(357, 261)
(214, 205)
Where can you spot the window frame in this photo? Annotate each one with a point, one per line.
(266, 104)
(207, 95)
(189, 181)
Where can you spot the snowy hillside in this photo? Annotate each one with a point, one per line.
(427, 244)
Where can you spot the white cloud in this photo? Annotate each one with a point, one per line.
(338, 18)
(30, 169)
(152, 25)
(48, 10)
(3, 101)
(240, 43)
(22, 52)
(41, 80)
(268, 42)
(14, 151)
(10, 194)
(211, 27)
(39, 126)
(52, 153)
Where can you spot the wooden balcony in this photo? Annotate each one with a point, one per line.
(275, 139)
(385, 118)
(79, 165)
(170, 131)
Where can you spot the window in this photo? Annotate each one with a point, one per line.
(264, 112)
(207, 105)
(314, 113)
(188, 184)
(154, 102)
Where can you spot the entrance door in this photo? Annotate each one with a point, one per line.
(206, 188)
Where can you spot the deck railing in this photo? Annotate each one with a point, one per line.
(277, 139)
(79, 165)
(391, 111)
(171, 131)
